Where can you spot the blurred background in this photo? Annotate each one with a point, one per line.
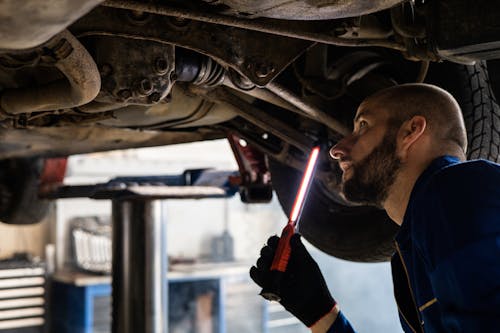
(211, 244)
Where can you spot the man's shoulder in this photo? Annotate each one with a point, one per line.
(464, 193)
(463, 176)
(473, 167)
(460, 206)
(459, 194)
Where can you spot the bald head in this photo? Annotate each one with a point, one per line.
(438, 107)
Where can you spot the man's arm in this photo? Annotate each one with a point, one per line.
(461, 247)
(303, 290)
(333, 322)
(324, 324)
(467, 287)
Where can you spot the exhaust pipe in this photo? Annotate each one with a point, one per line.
(81, 85)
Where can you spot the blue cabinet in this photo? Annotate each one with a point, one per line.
(195, 305)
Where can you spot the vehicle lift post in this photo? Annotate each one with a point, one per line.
(139, 264)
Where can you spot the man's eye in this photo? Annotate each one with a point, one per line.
(362, 123)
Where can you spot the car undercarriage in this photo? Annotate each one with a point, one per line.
(275, 77)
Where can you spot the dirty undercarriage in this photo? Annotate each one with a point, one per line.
(89, 75)
(162, 67)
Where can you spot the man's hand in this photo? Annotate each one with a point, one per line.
(303, 290)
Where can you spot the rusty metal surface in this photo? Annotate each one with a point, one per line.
(81, 84)
(265, 95)
(258, 56)
(133, 71)
(320, 32)
(184, 110)
(304, 9)
(258, 117)
(308, 110)
(70, 140)
(29, 23)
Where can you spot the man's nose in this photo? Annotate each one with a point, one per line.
(341, 149)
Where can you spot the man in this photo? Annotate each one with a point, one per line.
(406, 154)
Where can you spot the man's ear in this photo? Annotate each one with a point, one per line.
(409, 133)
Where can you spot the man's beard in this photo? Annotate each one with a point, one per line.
(372, 177)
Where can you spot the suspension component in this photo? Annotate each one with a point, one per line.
(255, 179)
(197, 69)
(211, 74)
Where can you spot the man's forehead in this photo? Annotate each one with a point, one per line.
(365, 111)
(372, 108)
(362, 113)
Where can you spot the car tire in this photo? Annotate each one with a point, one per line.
(471, 87)
(366, 234)
(19, 184)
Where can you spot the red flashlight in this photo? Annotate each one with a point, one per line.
(282, 254)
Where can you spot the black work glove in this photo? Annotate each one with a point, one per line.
(303, 290)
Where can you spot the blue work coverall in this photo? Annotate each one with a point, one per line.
(446, 269)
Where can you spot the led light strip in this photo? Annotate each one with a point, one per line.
(304, 186)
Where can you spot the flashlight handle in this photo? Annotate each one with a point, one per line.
(279, 264)
(282, 254)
